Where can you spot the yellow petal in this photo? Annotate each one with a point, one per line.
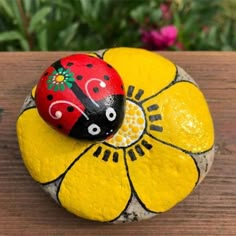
(162, 176)
(96, 187)
(144, 73)
(46, 152)
(184, 118)
(33, 91)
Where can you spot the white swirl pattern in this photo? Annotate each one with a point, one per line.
(102, 84)
(58, 114)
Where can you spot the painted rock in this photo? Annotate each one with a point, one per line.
(162, 151)
(82, 96)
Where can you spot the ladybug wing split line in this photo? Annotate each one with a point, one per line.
(58, 114)
(102, 84)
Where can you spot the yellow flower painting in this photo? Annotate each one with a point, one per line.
(167, 122)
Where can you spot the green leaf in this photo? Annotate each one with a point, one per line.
(38, 18)
(138, 13)
(86, 6)
(27, 5)
(155, 15)
(68, 34)
(42, 40)
(4, 4)
(14, 35)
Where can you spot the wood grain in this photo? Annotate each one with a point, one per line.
(210, 210)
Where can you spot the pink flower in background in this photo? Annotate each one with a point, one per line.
(161, 39)
(166, 11)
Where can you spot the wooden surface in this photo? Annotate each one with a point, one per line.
(210, 210)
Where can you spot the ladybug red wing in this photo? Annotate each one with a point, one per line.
(95, 77)
(56, 104)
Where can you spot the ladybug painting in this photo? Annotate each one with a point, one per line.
(82, 96)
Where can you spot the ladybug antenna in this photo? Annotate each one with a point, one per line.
(58, 114)
(102, 85)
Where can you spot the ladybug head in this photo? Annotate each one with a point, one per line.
(82, 96)
(102, 122)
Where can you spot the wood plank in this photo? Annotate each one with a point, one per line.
(210, 210)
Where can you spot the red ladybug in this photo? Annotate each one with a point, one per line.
(82, 96)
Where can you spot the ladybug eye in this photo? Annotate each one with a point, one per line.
(110, 114)
(94, 129)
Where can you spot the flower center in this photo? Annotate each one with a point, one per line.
(132, 127)
(60, 78)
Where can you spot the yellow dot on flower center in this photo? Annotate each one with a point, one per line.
(135, 129)
(118, 138)
(132, 128)
(60, 78)
(140, 120)
(125, 128)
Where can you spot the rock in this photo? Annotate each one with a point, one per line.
(81, 96)
(163, 149)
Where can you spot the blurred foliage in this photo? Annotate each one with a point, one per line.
(94, 24)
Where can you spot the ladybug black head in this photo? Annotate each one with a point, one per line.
(102, 122)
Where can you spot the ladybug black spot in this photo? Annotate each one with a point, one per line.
(106, 77)
(89, 65)
(70, 108)
(96, 89)
(122, 87)
(46, 73)
(49, 97)
(79, 77)
(59, 126)
(70, 64)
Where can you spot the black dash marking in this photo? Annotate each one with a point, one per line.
(106, 155)
(132, 155)
(130, 91)
(70, 108)
(46, 73)
(49, 97)
(97, 152)
(79, 77)
(70, 64)
(139, 150)
(106, 77)
(59, 126)
(109, 65)
(89, 65)
(115, 157)
(146, 144)
(153, 107)
(155, 117)
(139, 94)
(156, 128)
(96, 89)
